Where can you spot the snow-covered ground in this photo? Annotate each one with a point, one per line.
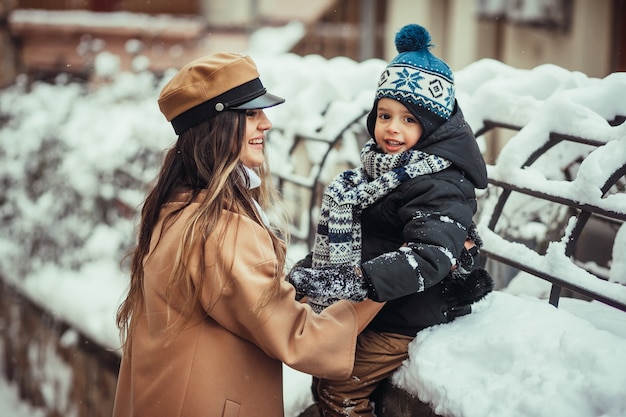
(75, 161)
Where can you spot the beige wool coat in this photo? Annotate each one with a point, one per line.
(228, 360)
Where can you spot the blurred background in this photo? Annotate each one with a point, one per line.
(579, 35)
(57, 40)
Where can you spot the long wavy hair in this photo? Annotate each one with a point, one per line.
(204, 158)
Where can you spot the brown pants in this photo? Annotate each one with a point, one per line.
(378, 355)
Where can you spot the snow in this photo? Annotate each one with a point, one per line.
(517, 356)
(12, 405)
(76, 159)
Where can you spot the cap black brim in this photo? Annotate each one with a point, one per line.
(261, 102)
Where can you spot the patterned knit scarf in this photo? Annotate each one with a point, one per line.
(338, 237)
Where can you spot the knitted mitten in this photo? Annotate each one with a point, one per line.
(467, 283)
(466, 288)
(327, 284)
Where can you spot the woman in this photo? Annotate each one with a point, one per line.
(209, 316)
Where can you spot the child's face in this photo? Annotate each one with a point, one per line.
(396, 129)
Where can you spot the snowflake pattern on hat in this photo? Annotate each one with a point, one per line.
(405, 78)
(429, 89)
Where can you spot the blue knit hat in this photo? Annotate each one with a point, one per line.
(417, 79)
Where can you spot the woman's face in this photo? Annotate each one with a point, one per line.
(257, 123)
(396, 129)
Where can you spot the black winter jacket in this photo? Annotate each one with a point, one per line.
(426, 213)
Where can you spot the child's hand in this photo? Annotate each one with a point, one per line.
(461, 289)
(469, 258)
(328, 284)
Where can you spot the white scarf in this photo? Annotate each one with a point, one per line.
(255, 181)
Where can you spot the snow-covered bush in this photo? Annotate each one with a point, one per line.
(75, 163)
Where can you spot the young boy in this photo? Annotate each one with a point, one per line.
(394, 228)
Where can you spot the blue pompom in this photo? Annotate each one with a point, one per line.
(413, 37)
